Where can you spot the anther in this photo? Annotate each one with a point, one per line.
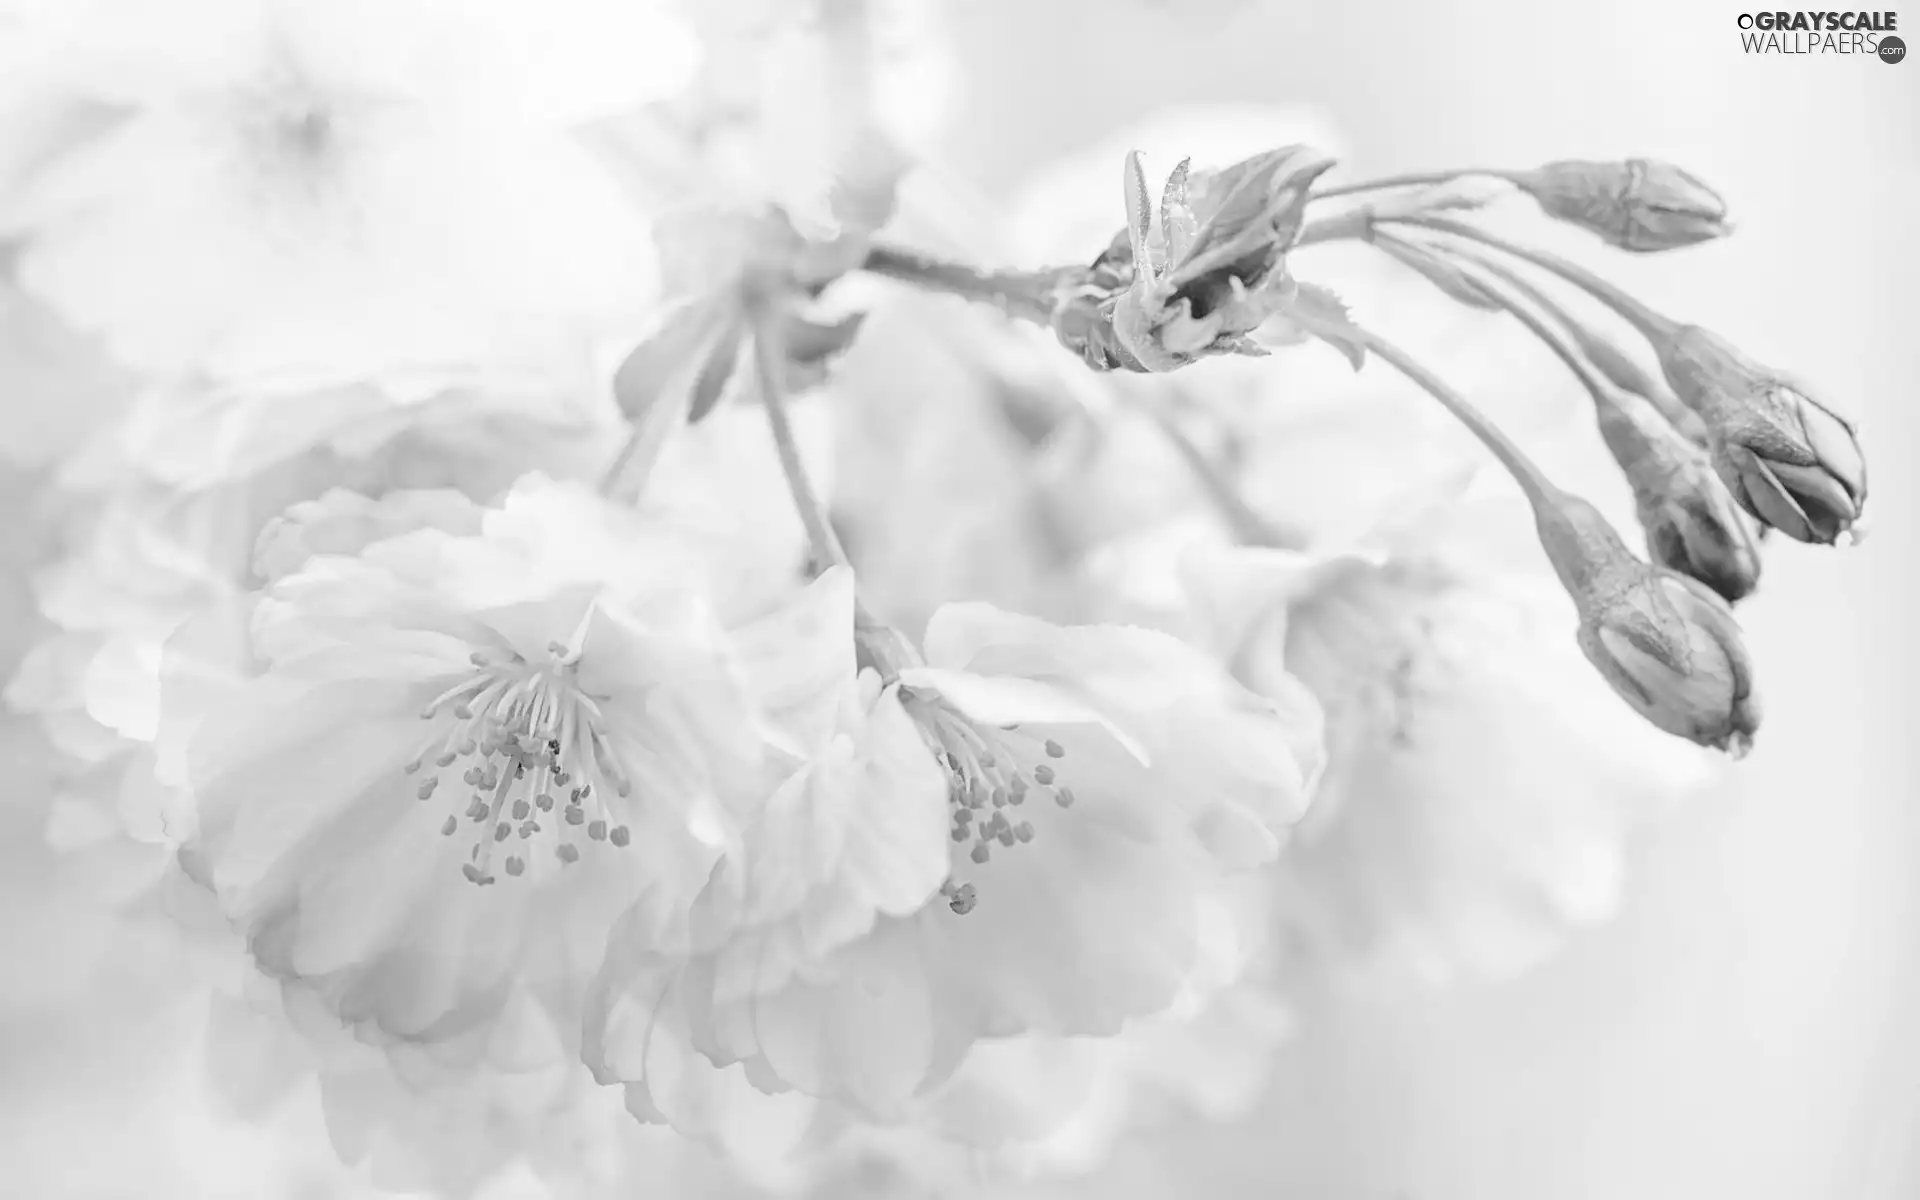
(575, 816)
(1064, 797)
(425, 790)
(597, 830)
(1055, 749)
(501, 831)
(981, 853)
(568, 854)
(452, 823)
(520, 810)
(620, 835)
(1024, 831)
(515, 865)
(1043, 774)
(962, 899)
(543, 802)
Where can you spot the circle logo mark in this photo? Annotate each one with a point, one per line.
(1892, 49)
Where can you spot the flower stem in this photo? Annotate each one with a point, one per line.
(1539, 490)
(1356, 224)
(1026, 295)
(1248, 527)
(1526, 304)
(769, 355)
(1417, 179)
(1650, 324)
(1589, 350)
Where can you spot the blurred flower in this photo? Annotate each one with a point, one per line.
(1642, 204)
(157, 532)
(1039, 1107)
(1098, 781)
(57, 385)
(1478, 800)
(952, 433)
(330, 193)
(402, 1124)
(794, 97)
(460, 754)
(1418, 611)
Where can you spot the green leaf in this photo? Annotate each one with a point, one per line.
(1176, 213)
(1139, 216)
(1324, 315)
(1259, 205)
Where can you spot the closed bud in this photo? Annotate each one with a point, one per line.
(1666, 644)
(1641, 204)
(1690, 519)
(1788, 459)
(1694, 527)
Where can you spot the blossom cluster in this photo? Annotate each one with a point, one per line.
(632, 656)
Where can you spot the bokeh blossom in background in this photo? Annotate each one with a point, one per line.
(601, 602)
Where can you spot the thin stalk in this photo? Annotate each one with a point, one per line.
(884, 648)
(1650, 324)
(1416, 179)
(1522, 300)
(1025, 295)
(1356, 224)
(1539, 490)
(1247, 526)
(770, 355)
(610, 480)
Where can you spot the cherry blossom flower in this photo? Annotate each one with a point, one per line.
(256, 189)
(1041, 1107)
(1479, 800)
(789, 95)
(1098, 782)
(460, 753)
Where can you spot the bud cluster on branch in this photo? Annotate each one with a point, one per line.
(1716, 448)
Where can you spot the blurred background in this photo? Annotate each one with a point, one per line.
(1745, 1029)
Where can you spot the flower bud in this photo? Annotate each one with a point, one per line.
(1666, 645)
(1692, 524)
(1788, 459)
(1641, 204)
(1694, 527)
(1212, 268)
